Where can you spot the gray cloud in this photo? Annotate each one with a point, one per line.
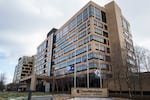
(16, 17)
(138, 14)
(24, 25)
(29, 15)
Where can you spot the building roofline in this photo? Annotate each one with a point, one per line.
(76, 13)
(53, 30)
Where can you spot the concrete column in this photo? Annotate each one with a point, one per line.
(47, 87)
(33, 83)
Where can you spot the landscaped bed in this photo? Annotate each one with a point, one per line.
(9, 95)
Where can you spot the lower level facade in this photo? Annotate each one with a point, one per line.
(38, 83)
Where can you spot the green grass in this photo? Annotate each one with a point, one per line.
(6, 95)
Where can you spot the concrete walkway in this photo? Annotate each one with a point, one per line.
(67, 98)
(42, 98)
(91, 99)
(98, 99)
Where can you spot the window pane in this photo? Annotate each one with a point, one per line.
(85, 14)
(103, 16)
(79, 19)
(91, 11)
(97, 13)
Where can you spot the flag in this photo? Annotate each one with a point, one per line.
(70, 68)
(97, 72)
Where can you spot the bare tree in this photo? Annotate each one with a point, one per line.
(138, 55)
(148, 61)
(143, 58)
(142, 63)
(2, 81)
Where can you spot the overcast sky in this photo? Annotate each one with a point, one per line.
(25, 23)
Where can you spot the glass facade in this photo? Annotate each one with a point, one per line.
(41, 59)
(88, 12)
(128, 44)
(74, 46)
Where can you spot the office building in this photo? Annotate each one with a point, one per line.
(43, 61)
(88, 50)
(83, 43)
(24, 68)
(94, 38)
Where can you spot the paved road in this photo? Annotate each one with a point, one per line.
(98, 99)
(91, 99)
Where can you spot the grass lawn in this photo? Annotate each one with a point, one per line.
(6, 95)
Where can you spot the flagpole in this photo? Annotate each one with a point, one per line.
(100, 77)
(75, 68)
(87, 65)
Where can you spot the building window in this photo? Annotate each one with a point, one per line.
(79, 19)
(105, 42)
(80, 43)
(73, 24)
(105, 27)
(58, 73)
(44, 66)
(73, 54)
(85, 14)
(78, 60)
(103, 16)
(86, 40)
(108, 50)
(96, 56)
(99, 24)
(89, 47)
(108, 42)
(104, 66)
(125, 24)
(97, 13)
(91, 11)
(84, 58)
(100, 56)
(88, 31)
(96, 30)
(90, 55)
(44, 71)
(105, 34)
(108, 59)
(82, 27)
(71, 62)
(88, 22)
(93, 64)
(97, 46)
(65, 30)
(95, 22)
(102, 48)
(81, 51)
(81, 67)
(60, 66)
(82, 34)
(96, 38)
